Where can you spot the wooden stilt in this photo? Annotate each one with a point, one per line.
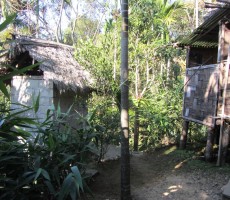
(225, 143)
(184, 134)
(209, 145)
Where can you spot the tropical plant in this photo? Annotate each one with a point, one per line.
(49, 165)
(159, 116)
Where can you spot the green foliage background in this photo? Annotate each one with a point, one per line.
(53, 164)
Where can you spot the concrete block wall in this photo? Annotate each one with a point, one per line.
(25, 90)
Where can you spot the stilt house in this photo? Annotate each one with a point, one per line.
(207, 81)
(59, 79)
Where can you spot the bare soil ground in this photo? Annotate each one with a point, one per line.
(166, 174)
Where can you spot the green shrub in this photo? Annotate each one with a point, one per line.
(52, 165)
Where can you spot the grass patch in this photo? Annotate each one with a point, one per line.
(192, 160)
(195, 164)
(180, 154)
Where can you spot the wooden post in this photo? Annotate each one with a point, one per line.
(220, 61)
(225, 143)
(223, 136)
(184, 134)
(185, 126)
(209, 144)
(221, 42)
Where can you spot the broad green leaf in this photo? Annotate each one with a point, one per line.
(66, 187)
(73, 193)
(45, 174)
(1, 122)
(77, 174)
(22, 133)
(58, 109)
(37, 174)
(17, 113)
(28, 173)
(36, 103)
(8, 20)
(18, 71)
(4, 90)
(69, 110)
(51, 142)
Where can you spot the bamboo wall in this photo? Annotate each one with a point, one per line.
(201, 94)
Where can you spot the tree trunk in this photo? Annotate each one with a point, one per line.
(125, 157)
(162, 69)
(209, 144)
(136, 128)
(168, 70)
(59, 23)
(37, 16)
(183, 138)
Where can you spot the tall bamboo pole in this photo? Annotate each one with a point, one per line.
(124, 85)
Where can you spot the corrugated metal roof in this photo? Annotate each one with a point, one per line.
(206, 35)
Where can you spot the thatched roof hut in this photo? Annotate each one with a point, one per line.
(58, 79)
(57, 63)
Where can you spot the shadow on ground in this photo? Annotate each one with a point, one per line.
(167, 173)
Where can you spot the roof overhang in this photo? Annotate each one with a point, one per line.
(206, 35)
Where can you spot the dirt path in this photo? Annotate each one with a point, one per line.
(164, 174)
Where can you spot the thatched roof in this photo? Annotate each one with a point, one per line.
(57, 63)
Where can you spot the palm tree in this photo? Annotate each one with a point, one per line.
(164, 16)
(125, 158)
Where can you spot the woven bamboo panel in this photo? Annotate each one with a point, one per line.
(200, 94)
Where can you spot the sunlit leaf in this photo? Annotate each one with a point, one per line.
(8, 20)
(36, 103)
(4, 90)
